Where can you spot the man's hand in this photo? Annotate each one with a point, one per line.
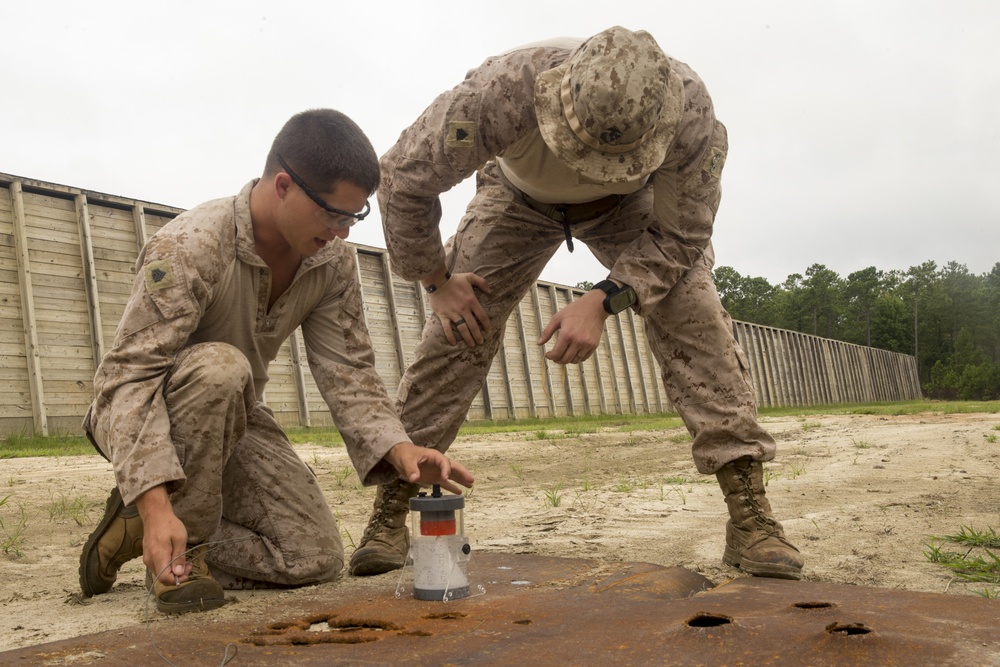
(164, 537)
(457, 306)
(580, 326)
(423, 465)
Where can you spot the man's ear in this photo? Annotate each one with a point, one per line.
(282, 184)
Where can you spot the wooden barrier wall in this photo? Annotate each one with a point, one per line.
(66, 269)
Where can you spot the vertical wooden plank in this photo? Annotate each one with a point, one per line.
(626, 370)
(38, 409)
(659, 403)
(390, 293)
(536, 303)
(756, 338)
(640, 371)
(139, 221)
(525, 360)
(298, 375)
(770, 373)
(744, 335)
(563, 371)
(15, 392)
(599, 370)
(608, 351)
(792, 367)
(581, 372)
(90, 279)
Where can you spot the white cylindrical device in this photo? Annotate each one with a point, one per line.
(440, 550)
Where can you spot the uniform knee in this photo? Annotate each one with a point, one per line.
(219, 365)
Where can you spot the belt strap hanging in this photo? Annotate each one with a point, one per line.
(565, 223)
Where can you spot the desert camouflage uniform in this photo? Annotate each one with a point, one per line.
(658, 240)
(179, 397)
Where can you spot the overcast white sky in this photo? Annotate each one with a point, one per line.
(862, 132)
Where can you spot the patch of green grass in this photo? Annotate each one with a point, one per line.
(323, 436)
(553, 494)
(899, 408)
(625, 486)
(66, 507)
(990, 437)
(980, 560)
(861, 444)
(342, 473)
(19, 445)
(13, 524)
(667, 488)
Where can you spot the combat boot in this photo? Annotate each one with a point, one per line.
(386, 540)
(116, 540)
(199, 593)
(755, 542)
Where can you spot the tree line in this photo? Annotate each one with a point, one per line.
(948, 318)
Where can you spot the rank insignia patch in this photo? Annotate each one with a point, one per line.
(714, 162)
(461, 133)
(158, 275)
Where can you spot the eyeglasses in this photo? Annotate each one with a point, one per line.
(351, 218)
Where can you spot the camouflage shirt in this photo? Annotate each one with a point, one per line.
(491, 114)
(199, 279)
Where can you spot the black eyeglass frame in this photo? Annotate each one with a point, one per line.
(356, 217)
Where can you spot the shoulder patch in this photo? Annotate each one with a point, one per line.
(715, 161)
(159, 275)
(461, 133)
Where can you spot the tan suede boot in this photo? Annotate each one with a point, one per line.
(386, 540)
(755, 542)
(116, 540)
(199, 593)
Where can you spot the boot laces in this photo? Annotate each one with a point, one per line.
(386, 507)
(767, 523)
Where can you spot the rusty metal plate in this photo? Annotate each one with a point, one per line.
(548, 611)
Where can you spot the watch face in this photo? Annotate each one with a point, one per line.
(621, 300)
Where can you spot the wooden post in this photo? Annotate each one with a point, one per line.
(537, 305)
(31, 348)
(525, 362)
(390, 295)
(638, 360)
(90, 280)
(139, 220)
(305, 418)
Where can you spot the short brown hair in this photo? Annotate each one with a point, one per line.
(325, 147)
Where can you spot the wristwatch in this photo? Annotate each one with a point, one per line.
(616, 298)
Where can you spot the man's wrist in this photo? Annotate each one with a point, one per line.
(616, 297)
(432, 283)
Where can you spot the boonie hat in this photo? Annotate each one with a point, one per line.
(612, 109)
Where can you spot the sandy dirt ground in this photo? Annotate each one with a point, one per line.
(860, 495)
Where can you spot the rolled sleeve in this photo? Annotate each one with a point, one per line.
(462, 130)
(342, 363)
(130, 418)
(686, 196)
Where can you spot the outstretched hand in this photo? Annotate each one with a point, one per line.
(423, 465)
(580, 326)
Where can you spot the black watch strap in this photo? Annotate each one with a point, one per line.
(607, 286)
(616, 299)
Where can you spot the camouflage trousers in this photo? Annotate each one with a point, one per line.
(245, 486)
(508, 243)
